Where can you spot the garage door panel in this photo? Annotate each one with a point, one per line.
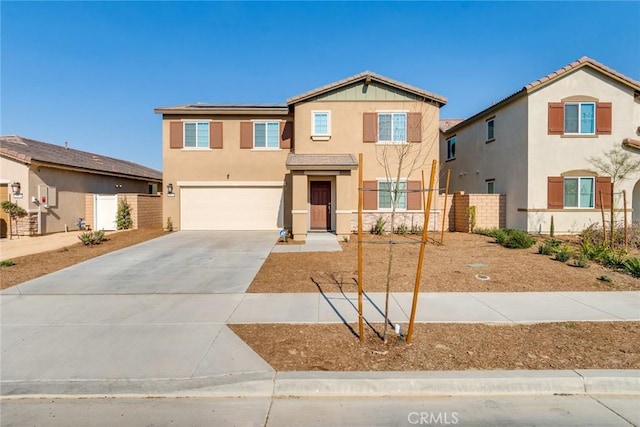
(231, 208)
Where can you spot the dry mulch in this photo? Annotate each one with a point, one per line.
(445, 269)
(579, 345)
(31, 266)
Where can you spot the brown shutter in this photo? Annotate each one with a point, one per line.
(369, 127)
(414, 127)
(603, 118)
(246, 134)
(556, 118)
(176, 135)
(414, 198)
(370, 198)
(603, 183)
(286, 134)
(555, 192)
(215, 135)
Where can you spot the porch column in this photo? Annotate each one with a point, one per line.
(344, 204)
(299, 209)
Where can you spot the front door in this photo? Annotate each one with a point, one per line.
(320, 205)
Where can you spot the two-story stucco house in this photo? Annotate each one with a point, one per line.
(534, 146)
(295, 165)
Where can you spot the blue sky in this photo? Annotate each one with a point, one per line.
(91, 73)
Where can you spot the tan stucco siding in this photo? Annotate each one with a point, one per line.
(551, 155)
(12, 171)
(71, 189)
(504, 159)
(231, 163)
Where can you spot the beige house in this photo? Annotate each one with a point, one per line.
(534, 146)
(295, 165)
(51, 182)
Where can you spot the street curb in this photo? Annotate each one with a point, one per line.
(348, 384)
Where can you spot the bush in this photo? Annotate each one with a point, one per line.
(402, 229)
(517, 239)
(632, 266)
(123, 217)
(378, 228)
(563, 254)
(581, 261)
(90, 238)
(546, 249)
(7, 263)
(416, 229)
(614, 259)
(169, 226)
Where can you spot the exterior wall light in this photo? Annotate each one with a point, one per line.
(15, 188)
(170, 190)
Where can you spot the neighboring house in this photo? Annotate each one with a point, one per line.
(535, 144)
(54, 181)
(294, 165)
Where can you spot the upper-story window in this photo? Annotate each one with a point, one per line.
(321, 123)
(451, 148)
(196, 134)
(266, 135)
(580, 117)
(392, 128)
(491, 130)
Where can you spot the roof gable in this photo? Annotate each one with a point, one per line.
(367, 86)
(549, 79)
(28, 151)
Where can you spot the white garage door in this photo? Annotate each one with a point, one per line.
(231, 208)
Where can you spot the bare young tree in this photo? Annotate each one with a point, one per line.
(619, 164)
(410, 146)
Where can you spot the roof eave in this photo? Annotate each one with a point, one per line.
(53, 165)
(332, 167)
(275, 111)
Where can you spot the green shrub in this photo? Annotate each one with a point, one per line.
(7, 263)
(169, 226)
(378, 228)
(563, 254)
(500, 236)
(605, 278)
(416, 229)
(471, 212)
(581, 261)
(123, 217)
(517, 239)
(632, 266)
(402, 229)
(90, 238)
(614, 259)
(546, 249)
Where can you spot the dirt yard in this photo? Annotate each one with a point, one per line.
(579, 345)
(32, 266)
(451, 267)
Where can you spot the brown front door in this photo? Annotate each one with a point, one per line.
(320, 205)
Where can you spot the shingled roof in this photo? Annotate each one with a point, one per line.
(583, 62)
(29, 151)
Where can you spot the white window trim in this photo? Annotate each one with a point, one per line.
(267, 148)
(580, 104)
(320, 136)
(492, 138)
(448, 142)
(184, 136)
(406, 121)
(389, 209)
(593, 194)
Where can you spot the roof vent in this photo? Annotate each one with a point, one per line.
(66, 145)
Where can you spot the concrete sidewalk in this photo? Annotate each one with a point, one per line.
(316, 242)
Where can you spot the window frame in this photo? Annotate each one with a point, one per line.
(393, 139)
(451, 148)
(579, 180)
(206, 145)
(491, 182)
(402, 194)
(266, 140)
(491, 126)
(320, 136)
(579, 120)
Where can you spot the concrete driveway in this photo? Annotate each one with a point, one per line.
(196, 262)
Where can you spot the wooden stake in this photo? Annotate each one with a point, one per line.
(604, 225)
(444, 208)
(626, 232)
(360, 207)
(611, 220)
(427, 212)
